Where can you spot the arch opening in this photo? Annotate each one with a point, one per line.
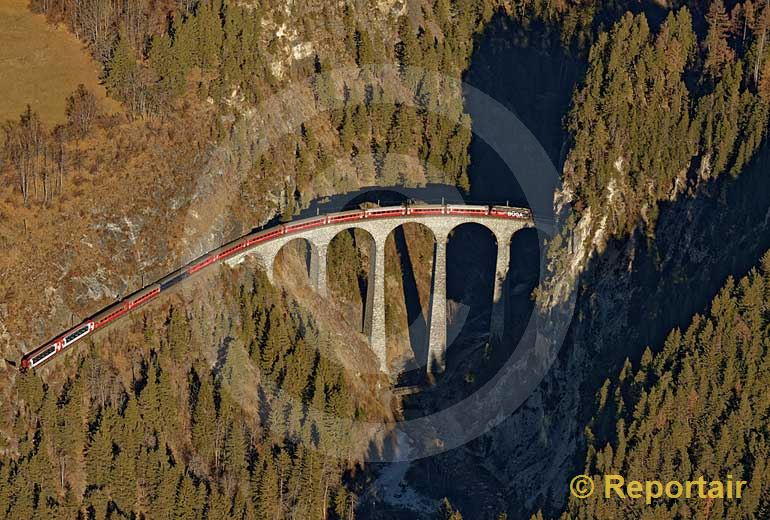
(297, 260)
(471, 258)
(522, 278)
(409, 262)
(349, 258)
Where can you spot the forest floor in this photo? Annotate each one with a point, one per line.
(41, 65)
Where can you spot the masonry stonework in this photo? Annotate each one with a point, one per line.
(379, 229)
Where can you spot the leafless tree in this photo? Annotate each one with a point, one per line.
(24, 145)
(82, 110)
(59, 155)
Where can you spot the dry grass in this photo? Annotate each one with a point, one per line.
(125, 184)
(41, 65)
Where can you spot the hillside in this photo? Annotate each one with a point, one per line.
(215, 402)
(205, 119)
(42, 65)
(698, 407)
(194, 185)
(173, 173)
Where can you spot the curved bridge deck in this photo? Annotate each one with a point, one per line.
(379, 222)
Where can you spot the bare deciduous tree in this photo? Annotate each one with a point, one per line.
(24, 146)
(82, 110)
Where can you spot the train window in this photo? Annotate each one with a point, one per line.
(75, 335)
(47, 352)
(110, 317)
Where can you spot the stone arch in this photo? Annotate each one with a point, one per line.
(304, 251)
(353, 227)
(350, 257)
(478, 222)
(410, 255)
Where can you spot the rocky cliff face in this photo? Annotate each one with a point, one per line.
(630, 295)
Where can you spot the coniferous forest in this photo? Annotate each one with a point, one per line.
(234, 396)
(175, 436)
(697, 407)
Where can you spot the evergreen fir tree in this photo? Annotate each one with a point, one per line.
(204, 420)
(122, 72)
(719, 52)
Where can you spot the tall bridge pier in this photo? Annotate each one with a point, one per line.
(497, 321)
(437, 317)
(374, 313)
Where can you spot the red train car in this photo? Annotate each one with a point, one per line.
(264, 236)
(509, 212)
(346, 216)
(110, 314)
(304, 224)
(388, 211)
(40, 355)
(465, 209)
(426, 210)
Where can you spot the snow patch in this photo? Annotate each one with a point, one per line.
(302, 50)
(276, 68)
(618, 164)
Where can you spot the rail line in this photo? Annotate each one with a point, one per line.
(67, 339)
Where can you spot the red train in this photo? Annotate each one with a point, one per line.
(42, 354)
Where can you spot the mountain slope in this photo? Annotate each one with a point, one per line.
(697, 408)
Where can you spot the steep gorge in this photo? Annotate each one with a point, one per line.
(658, 277)
(632, 290)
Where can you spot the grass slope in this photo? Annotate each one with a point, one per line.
(41, 65)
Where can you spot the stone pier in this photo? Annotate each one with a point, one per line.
(317, 272)
(375, 302)
(437, 342)
(497, 321)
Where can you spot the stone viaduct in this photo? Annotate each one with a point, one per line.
(319, 239)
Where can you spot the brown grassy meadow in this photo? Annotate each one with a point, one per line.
(41, 65)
